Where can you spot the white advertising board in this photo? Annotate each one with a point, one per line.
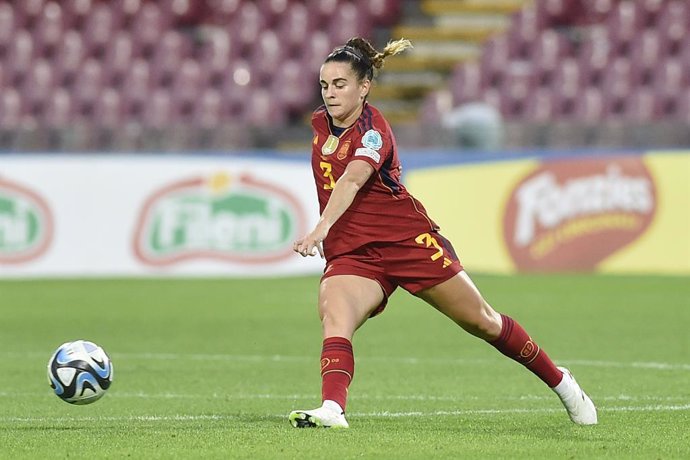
(133, 215)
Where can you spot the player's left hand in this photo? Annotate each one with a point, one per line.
(311, 244)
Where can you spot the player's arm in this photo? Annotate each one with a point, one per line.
(356, 174)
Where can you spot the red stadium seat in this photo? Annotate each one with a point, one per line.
(647, 53)
(58, 112)
(518, 83)
(118, 57)
(99, 27)
(623, 23)
(108, 109)
(589, 106)
(617, 84)
(248, 25)
(208, 109)
(383, 13)
(38, 86)
(669, 80)
(11, 109)
(88, 84)
(495, 55)
(20, 56)
(674, 23)
(69, 57)
(466, 82)
(168, 55)
(347, 22)
(316, 49)
(566, 85)
(273, 10)
(291, 89)
(266, 56)
(642, 105)
(526, 25)
(294, 28)
(187, 85)
(75, 12)
(322, 10)
(681, 111)
(435, 106)
(594, 56)
(215, 55)
(136, 87)
(7, 27)
(540, 106)
(27, 11)
(222, 12)
(263, 110)
(148, 26)
(547, 53)
(159, 111)
(49, 29)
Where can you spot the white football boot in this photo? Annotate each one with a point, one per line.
(329, 415)
(580, 408)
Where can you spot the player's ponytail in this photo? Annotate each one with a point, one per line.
(364, 58)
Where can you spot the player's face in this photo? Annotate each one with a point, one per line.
(342, 93)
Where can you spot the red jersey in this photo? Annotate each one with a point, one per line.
(383, 210)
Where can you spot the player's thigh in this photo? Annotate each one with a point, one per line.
(460, 300)
(349, 298)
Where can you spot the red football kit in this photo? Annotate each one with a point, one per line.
(385, 234)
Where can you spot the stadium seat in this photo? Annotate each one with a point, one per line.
(540, 106)
(317, 47)
(48, 29)
(383, 13)
(27, 11)
(7, 27)
(108, 109)
(187, 85)
(136, 87)
(295, 27)
(58, 112)
(215, 53)
(495, 54)
(88, 84)
(674, 23)
(466, 82)
(589, 106)
(11, 109)
(642, 105)
(20, 56)
(75, 12)
(346, 22)
(546, 54)
(148, 26)
(248, 25)
(168, 55)
(208, 109)
(623, 24)
(222, 12)
(646, 53)
(158, 112)
(266, 56)
(273, 10)
(263, 110)
(100, 25)
(594, 56)
(118, 57)
(435, 106)
(38, 86)
(69, 57)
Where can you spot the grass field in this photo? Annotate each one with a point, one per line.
(211, 368)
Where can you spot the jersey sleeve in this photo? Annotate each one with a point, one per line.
(374, 146)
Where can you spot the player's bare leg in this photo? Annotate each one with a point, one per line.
(460, 300)
(345, 303)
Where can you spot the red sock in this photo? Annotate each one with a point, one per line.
(337, 369)
(516, 344)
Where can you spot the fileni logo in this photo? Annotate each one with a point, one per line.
(234, 219)
(571, 215)
(26, 224)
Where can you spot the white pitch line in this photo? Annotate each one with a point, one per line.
(389, 359)
(192, 418)
(296, 397)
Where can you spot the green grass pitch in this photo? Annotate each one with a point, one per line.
(211, 368)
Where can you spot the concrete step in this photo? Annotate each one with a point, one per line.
(444, 7)
(458, 34)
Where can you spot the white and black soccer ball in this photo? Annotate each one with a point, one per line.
(80, 372)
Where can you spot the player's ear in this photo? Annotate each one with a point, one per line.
(364, 87)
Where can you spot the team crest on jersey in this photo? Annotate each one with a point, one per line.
(330, 145)
(372, 139)
(342, 153)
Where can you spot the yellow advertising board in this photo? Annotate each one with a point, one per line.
(616, 213)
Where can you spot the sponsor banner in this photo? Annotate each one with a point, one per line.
(608, 213)
(143, 215)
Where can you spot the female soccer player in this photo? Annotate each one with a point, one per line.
(375, 236)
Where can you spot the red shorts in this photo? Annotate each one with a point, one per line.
(414, 264)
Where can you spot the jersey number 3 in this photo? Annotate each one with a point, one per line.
(327, 169)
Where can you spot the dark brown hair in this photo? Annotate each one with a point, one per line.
(364, 58)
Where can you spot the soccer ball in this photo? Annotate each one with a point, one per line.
(80, 372)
